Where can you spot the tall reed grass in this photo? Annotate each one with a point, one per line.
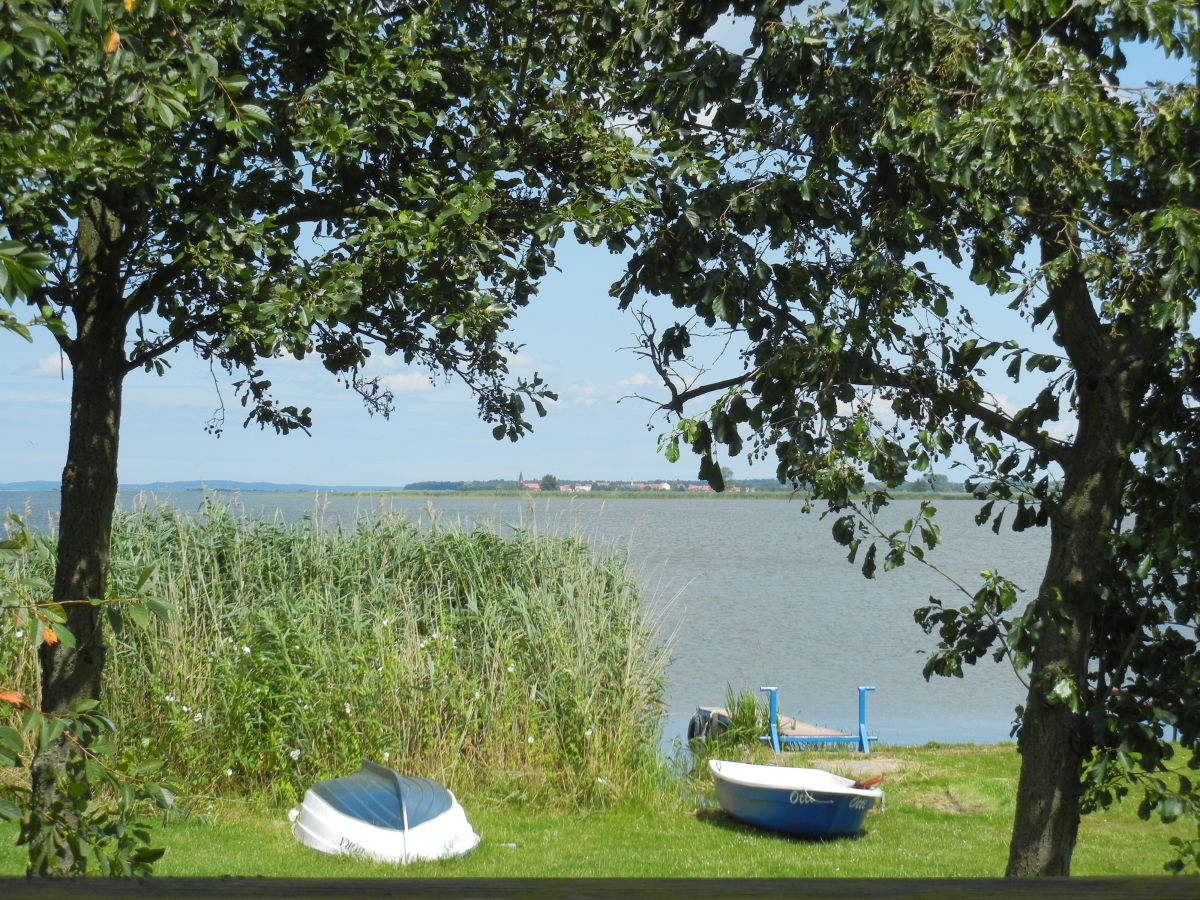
(520, 666)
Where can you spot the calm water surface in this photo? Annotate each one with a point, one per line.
(752, 592)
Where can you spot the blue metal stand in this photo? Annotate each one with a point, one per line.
(864, 739)
(779, 741)
(773, 718)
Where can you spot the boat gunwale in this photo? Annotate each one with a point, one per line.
(845, 789)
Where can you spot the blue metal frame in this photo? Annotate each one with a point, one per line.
(778, 742)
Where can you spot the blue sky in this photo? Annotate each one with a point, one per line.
(572, 334)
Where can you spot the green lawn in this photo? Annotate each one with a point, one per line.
(948, 813)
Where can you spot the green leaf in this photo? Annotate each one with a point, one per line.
(253, 112)
(54, 612)
(139, 614)
(10, 739)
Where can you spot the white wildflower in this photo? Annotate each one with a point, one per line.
(198, 717)
(170, 698)
(386, 755)
(20, 632)
(245, 649)
(294, 753)
(510, 668)
(529, 740)
(229, 772)
(588, 733)
(346, 706)
(293, 814)
(187, 709)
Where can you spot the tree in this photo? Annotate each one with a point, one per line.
(549, 483)
(817, 197)
(257, 178)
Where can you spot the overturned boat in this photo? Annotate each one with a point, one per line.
(381, 814)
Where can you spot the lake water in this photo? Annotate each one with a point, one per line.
(752, 592)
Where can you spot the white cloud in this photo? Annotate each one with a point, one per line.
(588, 389)
(1064, 430)
(638, 380)
(54, 366)
(1004, 403)
(877, 407)
(28, 399)
(590, 393)
(407, 383)
(381, 362)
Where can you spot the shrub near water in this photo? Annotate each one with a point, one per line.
(523, 666)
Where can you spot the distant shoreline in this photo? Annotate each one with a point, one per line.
(530, 495)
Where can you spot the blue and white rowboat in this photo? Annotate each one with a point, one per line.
(807, 802)
(379, 813)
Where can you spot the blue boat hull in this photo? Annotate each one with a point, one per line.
(805, 802)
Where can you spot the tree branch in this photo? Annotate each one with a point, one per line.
(178, 340)
(1079, 325)
(148, 290)
(877, 375)
(321, 209)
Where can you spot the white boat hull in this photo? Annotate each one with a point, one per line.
(328, 829)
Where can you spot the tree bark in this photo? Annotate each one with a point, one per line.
(89, 488)
(1054, 741)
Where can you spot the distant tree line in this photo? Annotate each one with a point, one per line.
(932, 483)
(497, 484)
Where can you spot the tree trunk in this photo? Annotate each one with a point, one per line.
(1054, 741)
(89, 488)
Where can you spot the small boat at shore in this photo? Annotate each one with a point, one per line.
(381, 814)
(806, 802)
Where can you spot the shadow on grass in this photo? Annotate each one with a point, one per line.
(723, 820)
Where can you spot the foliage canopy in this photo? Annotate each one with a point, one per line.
(268, 177)
(818, 195)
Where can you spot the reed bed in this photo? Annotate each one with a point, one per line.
(521, 666)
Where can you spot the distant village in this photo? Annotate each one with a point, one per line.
(550, 483)
(933, 483)
(585, 486)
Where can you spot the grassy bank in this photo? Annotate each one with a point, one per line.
(521, 667)
(948, 814)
